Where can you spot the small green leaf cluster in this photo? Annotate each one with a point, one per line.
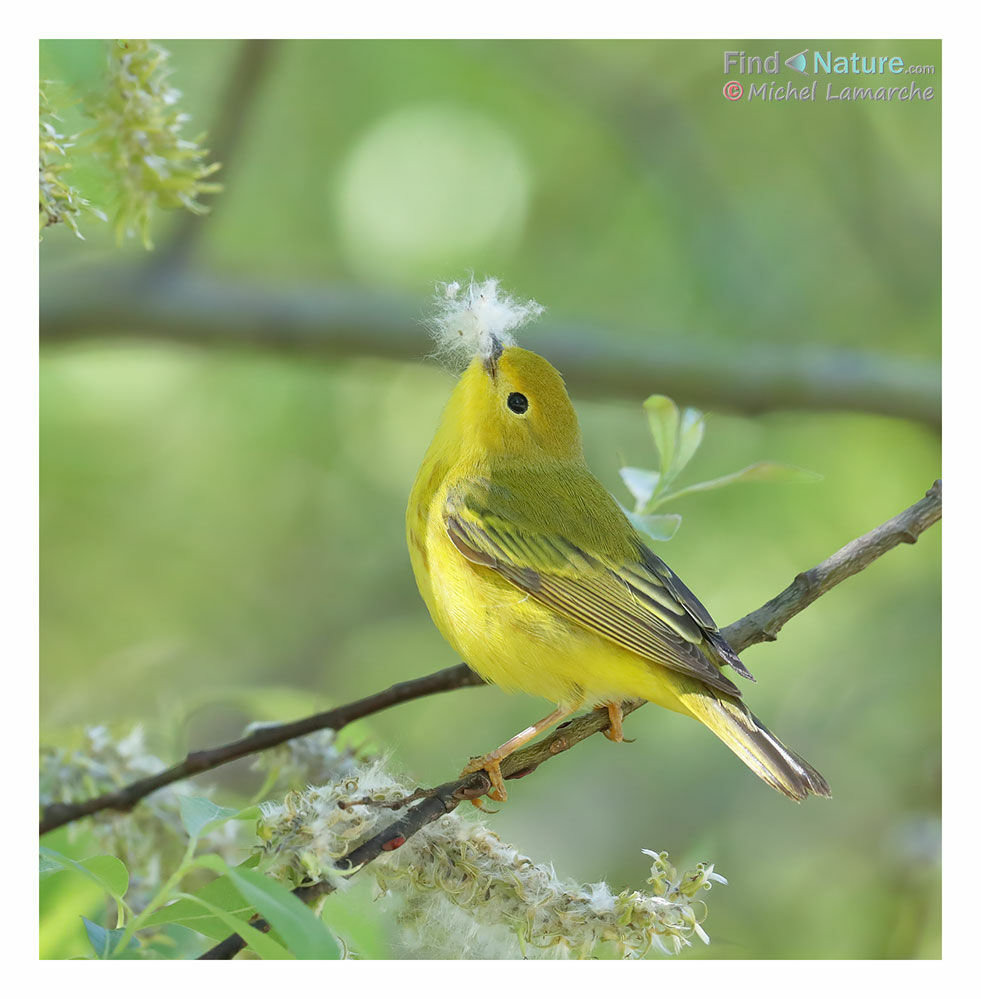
(174, 863)
(148, 840)
(677, 436)
(222, 907)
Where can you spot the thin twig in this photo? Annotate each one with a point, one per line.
(762, 625)
(123, 799)
(394, 805)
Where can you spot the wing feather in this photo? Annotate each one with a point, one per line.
(639, 604)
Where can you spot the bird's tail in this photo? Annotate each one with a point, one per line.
(755, 744)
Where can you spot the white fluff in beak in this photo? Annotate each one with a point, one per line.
(477, 320)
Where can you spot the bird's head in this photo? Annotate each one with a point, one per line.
(513, 403)
(509, 402)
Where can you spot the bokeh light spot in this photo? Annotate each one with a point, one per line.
(426, 186)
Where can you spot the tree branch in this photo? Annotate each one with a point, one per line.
(763, 624)
(123, 799)
(197, 308)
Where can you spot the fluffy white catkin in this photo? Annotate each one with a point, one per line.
(463, 890)
(476, 320)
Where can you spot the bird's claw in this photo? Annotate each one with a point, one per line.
(493, 770)
(614, 731)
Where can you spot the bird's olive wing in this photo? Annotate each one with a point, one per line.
(637, 603)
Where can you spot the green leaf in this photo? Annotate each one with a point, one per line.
(109, 873)
(104, 941)
(761, 471)
(659, 526)
(642, 483)
(173, 943)
(260, 942)
(306, 936)
(215, 862)
(662, 415)
(194, 914)
(196, 813)
(690, 436)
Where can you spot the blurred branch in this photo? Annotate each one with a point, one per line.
(760, 626)
(266, 737)
(205, 310)
(247, 74)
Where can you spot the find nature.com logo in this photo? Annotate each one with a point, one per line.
(881, 71)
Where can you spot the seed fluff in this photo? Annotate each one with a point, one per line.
(476, 320)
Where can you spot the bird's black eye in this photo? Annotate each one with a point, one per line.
(518, 403)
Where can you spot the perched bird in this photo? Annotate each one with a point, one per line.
(535, 576)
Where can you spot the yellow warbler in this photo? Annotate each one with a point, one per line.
(534, 575)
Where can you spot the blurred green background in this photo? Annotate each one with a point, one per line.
(216, 521)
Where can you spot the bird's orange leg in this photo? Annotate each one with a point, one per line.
(492, 761)
(615, 732)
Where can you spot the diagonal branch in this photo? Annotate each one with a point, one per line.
(759, 626)
(123, 799)
(763, 624)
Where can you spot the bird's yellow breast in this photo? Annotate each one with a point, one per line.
(506, 635)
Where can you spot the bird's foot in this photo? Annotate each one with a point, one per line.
(615, 730)
(492, 766)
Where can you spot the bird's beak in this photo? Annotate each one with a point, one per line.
(490, 362)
